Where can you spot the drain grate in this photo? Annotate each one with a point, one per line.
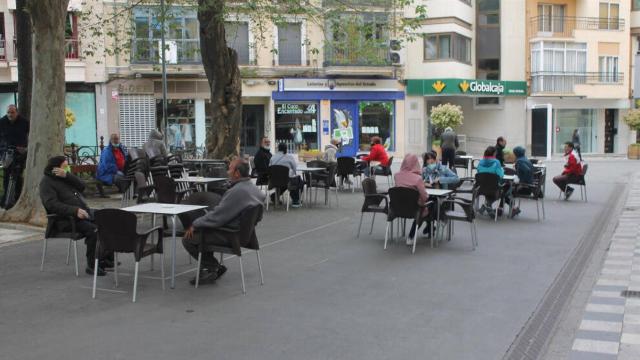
(630, 294)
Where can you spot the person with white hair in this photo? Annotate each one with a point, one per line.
(449, 145)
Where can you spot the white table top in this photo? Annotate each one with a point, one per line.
(438, 192)
(201, 180)
(304, 168)
(540, 165)
(464, 156)
(508, 177)
(164, 209)
(203, 160)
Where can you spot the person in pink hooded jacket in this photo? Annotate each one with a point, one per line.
(410, 176)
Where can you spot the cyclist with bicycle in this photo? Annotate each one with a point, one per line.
(14, 134)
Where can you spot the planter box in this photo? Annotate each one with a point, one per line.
(633, 152)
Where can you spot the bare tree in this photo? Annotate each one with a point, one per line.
(46, 137)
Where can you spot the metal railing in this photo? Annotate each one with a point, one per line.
(564, 26)
(340, 55)
(71, 49)
(561, 82)
(146, 51)
(3, 50)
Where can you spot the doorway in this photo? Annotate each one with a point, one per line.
(252, 128)
(539, 132)
(344, 126)
(610, 130)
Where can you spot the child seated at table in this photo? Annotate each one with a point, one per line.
(435, 174)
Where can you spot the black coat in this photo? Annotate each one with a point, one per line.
(261, 160)
(500, 154)
(62, 196)
(16, 133)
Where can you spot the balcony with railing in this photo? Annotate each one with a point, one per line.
(3, 50)
(549, 82)
(71, 49)
(342, 55)
(146, 51)
(565, 26)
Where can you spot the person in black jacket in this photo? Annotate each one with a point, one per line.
(61, 194)
(14, 131)
(500, 145)
(261, 161)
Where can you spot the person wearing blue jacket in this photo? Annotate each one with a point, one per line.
(435, 173)
(489, 164)
(112, 163)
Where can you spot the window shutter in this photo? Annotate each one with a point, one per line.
(137, 119)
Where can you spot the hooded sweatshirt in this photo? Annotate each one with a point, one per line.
(573, 166)
(410, 176)
(524, 167)
(490, 165)
(155, 145)
(330, 152)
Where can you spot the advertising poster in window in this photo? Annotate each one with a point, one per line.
(297, 125)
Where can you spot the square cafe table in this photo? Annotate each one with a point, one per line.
(201, 181)
(310, 170)
(439, 194)
(166, 209)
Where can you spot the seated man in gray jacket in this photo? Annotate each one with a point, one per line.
(240, 195)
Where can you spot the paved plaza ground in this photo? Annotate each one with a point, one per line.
(327, 294)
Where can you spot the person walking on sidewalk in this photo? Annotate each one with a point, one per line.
(571, 173)
(575, 139)
(500, 145)
(449, 146)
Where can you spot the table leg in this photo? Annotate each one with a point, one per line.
(173, 252)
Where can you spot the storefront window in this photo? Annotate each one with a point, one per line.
(376, 119)
(582, 119)
(297, 125)
(181, 123)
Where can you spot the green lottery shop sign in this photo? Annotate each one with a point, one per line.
(468, 87)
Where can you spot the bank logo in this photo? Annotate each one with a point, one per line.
(438, 86)
(464, 86)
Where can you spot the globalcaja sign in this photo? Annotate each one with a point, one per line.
(468, 87)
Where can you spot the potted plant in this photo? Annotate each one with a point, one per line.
(442, 117)
(632, 119)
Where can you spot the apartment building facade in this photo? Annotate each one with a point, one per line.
(532, 71)
(302, 83)
(83, 74)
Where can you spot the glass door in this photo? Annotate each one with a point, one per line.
(344, 126)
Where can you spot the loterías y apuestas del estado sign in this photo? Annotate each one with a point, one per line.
(466, 87)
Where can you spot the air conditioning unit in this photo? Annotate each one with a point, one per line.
(395, 52)
(170, 52)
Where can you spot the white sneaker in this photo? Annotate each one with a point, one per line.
(409, 241)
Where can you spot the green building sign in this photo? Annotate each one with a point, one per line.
(466, 87)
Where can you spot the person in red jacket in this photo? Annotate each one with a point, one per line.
(571, 173)
(376, 153)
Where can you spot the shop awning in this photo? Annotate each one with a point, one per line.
(465, 87)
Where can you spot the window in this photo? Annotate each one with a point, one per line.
(557, 66)
(635, 5)
(357, 39)
(3, 39)
(376, 119)
(71, 49)
(181, 123)
(585, 120)
(182, 42)
(297, 125)
(237, 36)
(488, 40)
(447, 46)
(608, 67)
(289, 44)
(609, 16)
(551, 18)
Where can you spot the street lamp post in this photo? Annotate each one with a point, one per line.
(163, 57)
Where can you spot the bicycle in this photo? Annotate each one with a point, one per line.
(12, 161)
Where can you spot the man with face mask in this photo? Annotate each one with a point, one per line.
(14, 131)
(112, 163)
(261, 161)
(61, 194)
